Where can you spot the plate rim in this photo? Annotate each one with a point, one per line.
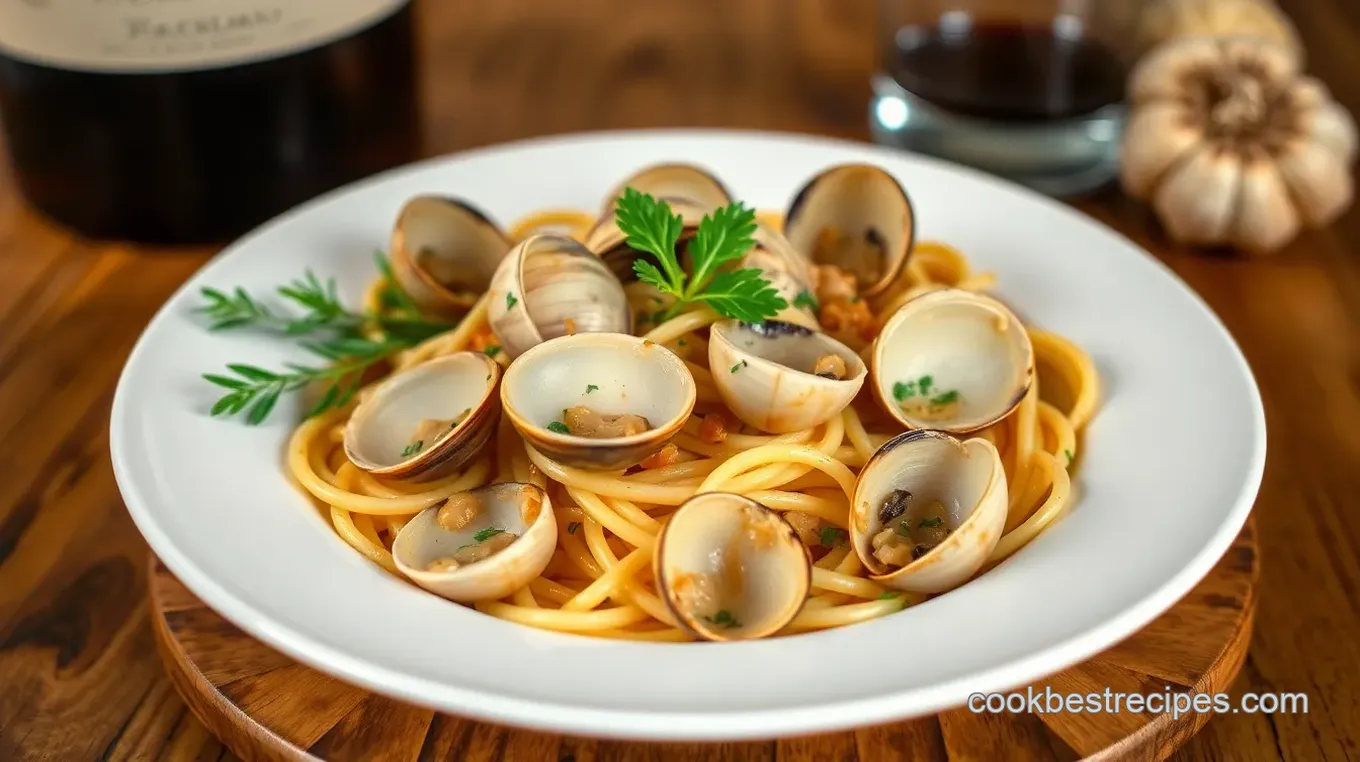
(670, 725)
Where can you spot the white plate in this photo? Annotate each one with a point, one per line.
(1168, 473)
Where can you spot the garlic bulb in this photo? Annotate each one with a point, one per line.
(1233, 146)
(1171, 19)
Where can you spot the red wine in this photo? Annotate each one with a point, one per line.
(175, 121)
(1007, 72)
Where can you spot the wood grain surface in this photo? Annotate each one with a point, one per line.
(264, 706)
(79, 675)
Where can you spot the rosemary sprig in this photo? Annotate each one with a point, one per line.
(256, 390)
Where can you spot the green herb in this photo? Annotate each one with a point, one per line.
(738, 367)
(590, 388)
(902, 390)
(482, 536)
(924, 383)
(723, 236)
(510, 300)
(487, 534)
(903, 530)
(945, 399)
(831, 537)
(413, 448)
(806, 299)
(888, 596)
(931, 522)
(393, 293)
(1068, 453)
(680, 343)
(559, 427)
(724, 619)
(259, 389)
(491, 351)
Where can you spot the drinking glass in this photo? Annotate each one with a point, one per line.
(1032, 90)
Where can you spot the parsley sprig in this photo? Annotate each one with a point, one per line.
(332, 332)
(723, 236)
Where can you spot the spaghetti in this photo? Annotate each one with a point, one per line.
(598, 581)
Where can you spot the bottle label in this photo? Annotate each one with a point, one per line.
(176, 35)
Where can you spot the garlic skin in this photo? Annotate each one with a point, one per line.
(1233, 146)
(1164, 20)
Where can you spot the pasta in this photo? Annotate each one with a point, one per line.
(599, 579)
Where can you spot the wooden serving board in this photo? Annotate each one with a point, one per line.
(265, 706)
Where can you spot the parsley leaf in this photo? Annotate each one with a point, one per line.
(945, 399)
(738, 367)
(590, 388)
(1068, 453)
(831, 537)
(510, 300)
(491, 351)
(931, 522)
(888, 596)
(723, 619)
(559, 427)
(723, 236)
(806, 299)
(413, 448)
(903, 390)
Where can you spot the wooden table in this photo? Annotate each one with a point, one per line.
(79, 677)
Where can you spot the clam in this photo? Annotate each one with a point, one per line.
(444, 253)
(550, 286)
(610, 243)
(730, 568)
(599, 401)
(927, 511)
(426, 422)
(480, 545)
(674, 181)
(781, 377)
(857, 217)
(952, 360)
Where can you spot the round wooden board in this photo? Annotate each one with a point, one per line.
(263, 705)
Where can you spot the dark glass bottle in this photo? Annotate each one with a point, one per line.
(194, 120)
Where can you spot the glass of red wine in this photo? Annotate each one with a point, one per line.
(1032, 90)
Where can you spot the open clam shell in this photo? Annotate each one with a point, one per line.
(952, 360)
(424, 545)
(857, 217)
(731, 569)
(766, 373)
(963, 480)
(426, 422)
(674, 181)
(444, 252)
(547, 280)
(610, 374)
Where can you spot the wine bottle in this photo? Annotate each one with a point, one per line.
(173, 121)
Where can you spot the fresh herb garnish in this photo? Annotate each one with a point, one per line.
(723, 619)
(590, 388)
(724, 235)
(492, 350)
(888, 596)
(831, 537)
(931, 522)
(903, 530)
(948, 397)
(259, 389)
(806, 299)
(413, 448)
(339, 335)
(738, 367)
(925, 383)
(487, 534)
(573, 526)
(904, 389)
(1068, 453)
(559, 427)
(510, 300)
